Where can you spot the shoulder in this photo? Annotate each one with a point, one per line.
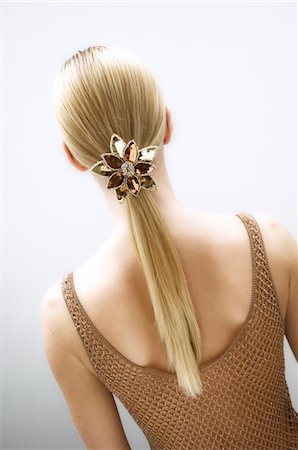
(283, 246)
(280, 245)
(61, 341)
(281, 252)
(90, 403)
(278, 241)
(51, 307)
(56, 324)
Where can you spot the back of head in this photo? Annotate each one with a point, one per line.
(105, 90)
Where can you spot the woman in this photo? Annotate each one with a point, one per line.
(180, 314)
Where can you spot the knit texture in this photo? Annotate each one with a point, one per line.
(245, 402)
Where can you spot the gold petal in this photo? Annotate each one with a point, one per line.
(133, 185)
(121, 192)
(102, 169)
(117, 145)
(115, 180)
(148, 182)
(148, 153)
(144, 167)
(131, 151)
(113, 161)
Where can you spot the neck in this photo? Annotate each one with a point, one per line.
(164, 196)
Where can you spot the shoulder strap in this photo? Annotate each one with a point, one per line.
(96, 347)
(263, 277)
(104, 358)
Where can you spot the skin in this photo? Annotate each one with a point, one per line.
(215, 255)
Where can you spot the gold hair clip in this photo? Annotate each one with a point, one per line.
(127, 167)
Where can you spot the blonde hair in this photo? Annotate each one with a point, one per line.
(104, 90)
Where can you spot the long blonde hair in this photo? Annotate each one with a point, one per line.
(104, 90)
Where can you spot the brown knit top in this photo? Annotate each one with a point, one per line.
(245, 402)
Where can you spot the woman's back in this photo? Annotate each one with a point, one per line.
(216, 257)
(245, 402)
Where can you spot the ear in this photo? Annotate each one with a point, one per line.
(72, 159)
(169, 129)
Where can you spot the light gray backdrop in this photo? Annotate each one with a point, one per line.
(228, 72)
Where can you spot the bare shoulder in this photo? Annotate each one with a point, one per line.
(278, 241)
(91, 404)
(282, 253)
(61, 340)
(56, 324)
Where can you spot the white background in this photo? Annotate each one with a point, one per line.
(228, 73)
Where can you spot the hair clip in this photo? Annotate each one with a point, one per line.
(127, 167)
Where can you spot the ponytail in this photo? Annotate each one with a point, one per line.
(169, 294)
(105, 90)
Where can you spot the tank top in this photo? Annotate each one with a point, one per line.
(245, 402)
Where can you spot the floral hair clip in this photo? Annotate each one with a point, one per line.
(127, 167)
